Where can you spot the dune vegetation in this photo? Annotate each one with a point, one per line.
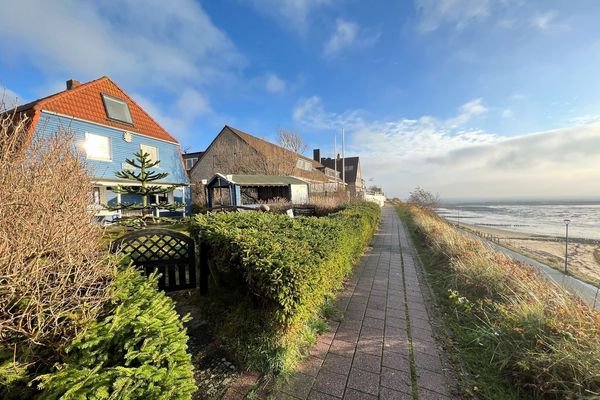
(506, 318)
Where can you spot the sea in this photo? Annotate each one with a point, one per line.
(533, 217)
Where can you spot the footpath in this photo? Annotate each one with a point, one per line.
(384, 347)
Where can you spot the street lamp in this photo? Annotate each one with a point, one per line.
(566, 243)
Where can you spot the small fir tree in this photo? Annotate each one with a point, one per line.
(141, 172)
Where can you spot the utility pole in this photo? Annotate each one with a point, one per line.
(335, 157)
(566, 243)
(343, 157)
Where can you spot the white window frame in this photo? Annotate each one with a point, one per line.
(153, 147)
(96, 158)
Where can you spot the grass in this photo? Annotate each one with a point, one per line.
(507, 319)
(478, 377)
(552, 261)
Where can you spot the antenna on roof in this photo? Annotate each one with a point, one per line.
(335, 154)
(343, 157)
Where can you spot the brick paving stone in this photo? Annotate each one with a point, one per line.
(396, 380)
(374, 323)
(310, 366)
(397, 361)
(367, 362)
(330, 383)
(299, 385)
(352, 394)
(364, 381)
(427, 361)
(314, 395)
(373, 313)
(338, 364)
(425, 394)
(432, 381)
(342, 348)
(389, 394)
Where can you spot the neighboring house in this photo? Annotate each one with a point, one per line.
(237, 152)
(191, 159)
(110, 127)
(351, 173)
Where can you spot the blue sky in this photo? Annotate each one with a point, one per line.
(467, 98)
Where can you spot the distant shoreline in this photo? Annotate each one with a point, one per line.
(584, 254)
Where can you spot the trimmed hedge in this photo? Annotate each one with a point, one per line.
(137, 351)
(284, 267)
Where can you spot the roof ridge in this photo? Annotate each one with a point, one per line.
(58, 95)
(241, 133)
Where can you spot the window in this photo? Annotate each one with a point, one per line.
(153, 151)
(349, 168)
(303, 164)
(189, 162)
(117, 109)
(97, 147)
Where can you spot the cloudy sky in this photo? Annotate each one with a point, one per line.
(467, 98)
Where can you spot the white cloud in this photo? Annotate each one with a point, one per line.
(347, 34)
(444, 158)
(150, 45)
(192, 103)
(458, 13)
(507, 113)
(291, 14)
(544, 21)
(468, 111)
(274, 84)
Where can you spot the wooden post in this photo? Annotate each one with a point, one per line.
(204, 270)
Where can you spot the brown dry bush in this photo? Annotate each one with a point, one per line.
(53, 276)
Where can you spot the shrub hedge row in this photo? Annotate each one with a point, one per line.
(282, 269)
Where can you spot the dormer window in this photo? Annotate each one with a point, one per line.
(116, 109)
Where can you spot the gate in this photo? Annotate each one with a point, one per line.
(169, 252)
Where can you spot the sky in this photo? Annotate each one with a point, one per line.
(465, 98)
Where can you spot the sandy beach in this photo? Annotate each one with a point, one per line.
(583, 255)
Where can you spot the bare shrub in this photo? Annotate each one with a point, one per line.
(423, 199)
(54, 277)
(327, 204)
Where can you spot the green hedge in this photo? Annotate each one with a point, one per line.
(137, 351)
(285, 267)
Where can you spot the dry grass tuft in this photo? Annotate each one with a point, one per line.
(53, 275)
(546, 338)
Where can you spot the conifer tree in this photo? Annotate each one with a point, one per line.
(141, 173)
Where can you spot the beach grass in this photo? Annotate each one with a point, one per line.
(514, 331)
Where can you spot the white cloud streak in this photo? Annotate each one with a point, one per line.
(347, 35)
(290, 14)
(458, 13)
(444, 157)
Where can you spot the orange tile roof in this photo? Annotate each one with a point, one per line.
(85, 102)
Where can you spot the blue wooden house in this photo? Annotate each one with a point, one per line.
(109, 127)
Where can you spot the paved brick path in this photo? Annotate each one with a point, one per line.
(384, 347)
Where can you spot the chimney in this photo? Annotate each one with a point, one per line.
(72, 84)
(338, 156)
(317, 155)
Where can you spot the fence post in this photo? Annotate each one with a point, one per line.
(204, 270)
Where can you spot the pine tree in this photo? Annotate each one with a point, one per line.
(141, 172)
